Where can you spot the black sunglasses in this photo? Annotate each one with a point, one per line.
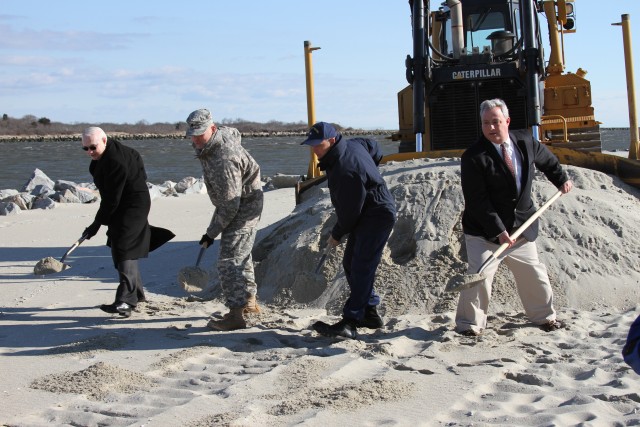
(91, 147)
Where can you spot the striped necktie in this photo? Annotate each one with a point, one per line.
(507, 159)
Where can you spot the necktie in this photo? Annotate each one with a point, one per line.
(507, 159)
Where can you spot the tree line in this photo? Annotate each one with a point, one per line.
(32, 125)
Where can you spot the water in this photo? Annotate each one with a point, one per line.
(173, 159)
(164, 159)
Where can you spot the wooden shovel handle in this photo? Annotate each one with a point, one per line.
(520, 230)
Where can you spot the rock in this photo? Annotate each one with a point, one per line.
(6, 193)
(43, 203)
(86, 195)
(23, 200)
(168, 187)
(184, 184)
(9, 209)
(198, 187)
(285, 181)
(38, 178)
(66, 196)
(42, 190)
(62, 185)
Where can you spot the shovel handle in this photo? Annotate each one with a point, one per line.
(202, 249)
(73, 247)
(327, 249)
(322, 258)
(520, 230)
(535, 216)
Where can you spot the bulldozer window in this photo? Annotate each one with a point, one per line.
(480, 26)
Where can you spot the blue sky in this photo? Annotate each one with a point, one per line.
(127, 61)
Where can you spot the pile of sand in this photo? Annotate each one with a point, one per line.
(589, 241)
(96, 382)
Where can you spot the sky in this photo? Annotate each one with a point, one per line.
(156, 61)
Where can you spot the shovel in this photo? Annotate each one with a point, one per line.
(51, 265)
(194, 279)
(322, 258)
(470, 280)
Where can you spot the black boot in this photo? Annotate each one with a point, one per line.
(371, 319)
(345, 328)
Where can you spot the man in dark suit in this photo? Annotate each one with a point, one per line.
(118, 173)
(497, 174)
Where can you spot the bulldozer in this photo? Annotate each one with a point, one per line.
(468, 51)
(472, 50)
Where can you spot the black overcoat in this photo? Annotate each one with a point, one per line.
(120, 177)
(492, 202)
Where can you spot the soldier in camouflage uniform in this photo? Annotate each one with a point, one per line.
(232, 178)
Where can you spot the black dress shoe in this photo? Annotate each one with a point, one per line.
(346, 328)
(121, 308)
(371, 320)
(124, 309)
(109, 308)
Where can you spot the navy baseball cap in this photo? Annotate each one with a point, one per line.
(319, 132)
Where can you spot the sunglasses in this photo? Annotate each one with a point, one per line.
(91, 147)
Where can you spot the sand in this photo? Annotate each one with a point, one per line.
(65, 362)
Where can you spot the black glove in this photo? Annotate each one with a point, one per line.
(206, 240)
(91, 230)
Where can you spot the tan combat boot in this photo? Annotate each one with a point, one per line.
(251, 307)
(231, 321)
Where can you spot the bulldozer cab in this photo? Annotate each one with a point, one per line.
(474, 53)
(487, 26)
(484, 49)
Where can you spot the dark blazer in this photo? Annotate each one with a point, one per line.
(492, 203)
(125, 203)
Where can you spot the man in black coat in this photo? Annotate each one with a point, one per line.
(497, 174)
(118, 173)
(365, 211)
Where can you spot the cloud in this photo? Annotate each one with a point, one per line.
(35, 61)
(65, 40)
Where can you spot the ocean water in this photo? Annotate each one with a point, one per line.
(174, 159)
(164, 159)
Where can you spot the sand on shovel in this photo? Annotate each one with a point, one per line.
(461, 282)
(48, 265)
(193, 279)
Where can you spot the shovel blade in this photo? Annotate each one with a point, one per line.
(460, 283)
(49, 265)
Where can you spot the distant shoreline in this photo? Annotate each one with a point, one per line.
(177, 135)
(180, 135)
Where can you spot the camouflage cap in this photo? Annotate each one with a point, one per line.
(199, 121)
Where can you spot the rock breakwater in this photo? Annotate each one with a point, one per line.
(41, 192)
(176, 135)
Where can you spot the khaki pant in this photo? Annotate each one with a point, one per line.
(531, 277)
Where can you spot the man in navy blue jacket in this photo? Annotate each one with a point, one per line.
(366, 212)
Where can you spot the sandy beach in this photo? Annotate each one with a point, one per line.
(64, 362)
